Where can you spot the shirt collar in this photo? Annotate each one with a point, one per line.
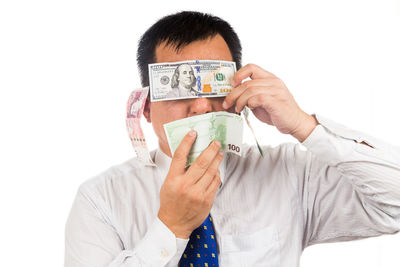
(163, 161)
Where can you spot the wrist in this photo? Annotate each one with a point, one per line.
(181, 235)
(176, 230)
(305, 128)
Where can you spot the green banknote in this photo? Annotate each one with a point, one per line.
(222, 126)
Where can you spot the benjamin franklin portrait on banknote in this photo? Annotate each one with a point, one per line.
(182, 82)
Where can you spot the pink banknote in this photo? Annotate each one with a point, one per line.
(134, 111)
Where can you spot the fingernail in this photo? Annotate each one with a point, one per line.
(233, 83)
(192, 133)
(224, 105)
(218, 143)
(221, 153)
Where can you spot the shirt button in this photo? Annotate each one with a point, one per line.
(164, 254)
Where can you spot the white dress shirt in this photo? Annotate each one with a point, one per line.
(267, 210)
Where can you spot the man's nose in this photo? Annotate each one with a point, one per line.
(200, 106)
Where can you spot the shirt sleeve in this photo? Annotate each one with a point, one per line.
(92, 240)
(347, 190)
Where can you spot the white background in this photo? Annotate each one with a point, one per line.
(67, 68)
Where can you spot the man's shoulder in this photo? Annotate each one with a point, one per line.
(115, 177)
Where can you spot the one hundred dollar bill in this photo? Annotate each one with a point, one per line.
(222, 126)
(190, 79)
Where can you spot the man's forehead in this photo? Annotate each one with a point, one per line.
(214, 48)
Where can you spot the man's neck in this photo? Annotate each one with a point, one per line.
(165, 149)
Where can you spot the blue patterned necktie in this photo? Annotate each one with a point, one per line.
(201, 251)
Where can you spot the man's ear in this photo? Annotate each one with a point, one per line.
(146, 110)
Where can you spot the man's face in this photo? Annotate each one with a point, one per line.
(166, 111)
(186, 76)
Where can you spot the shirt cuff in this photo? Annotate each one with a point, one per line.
(335, 143)
(160, 245)
(180, 248)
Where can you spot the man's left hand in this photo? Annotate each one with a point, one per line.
(270, 100)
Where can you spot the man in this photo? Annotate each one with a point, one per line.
(261, 211)
(182, 82)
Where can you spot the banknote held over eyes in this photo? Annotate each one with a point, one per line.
(190, 79)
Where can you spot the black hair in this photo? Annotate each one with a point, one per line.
(181, 29)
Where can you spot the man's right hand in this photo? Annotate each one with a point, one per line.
(186, 197)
